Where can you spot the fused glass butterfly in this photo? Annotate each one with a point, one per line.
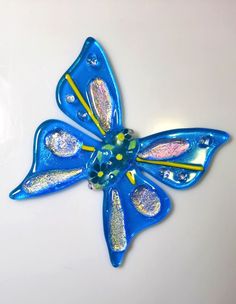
(63, 155)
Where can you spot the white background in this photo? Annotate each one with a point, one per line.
(176, 66)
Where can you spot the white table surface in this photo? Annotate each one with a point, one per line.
(176, 66)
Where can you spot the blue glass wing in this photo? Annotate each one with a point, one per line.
(88, 93)
(60, 158)
(179, 158)
(129, 208)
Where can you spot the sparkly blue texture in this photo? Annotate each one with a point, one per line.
(116, 160)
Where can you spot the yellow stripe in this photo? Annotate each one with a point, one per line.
(88, 148)
(83, 102)
(131, 177)
(171, 164)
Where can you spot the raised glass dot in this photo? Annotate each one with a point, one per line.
(205, 141)
(70, 98)
(165, 173)
(183, 177)
(111, 176)
(92, 60)
(120, 137)
(109, 163)
(119, 156)
(100, 174)
(83, 116)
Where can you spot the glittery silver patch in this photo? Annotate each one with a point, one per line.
(48, 180)
(117, 225)
(165, 150)
(62, 143)
(101, 102)
(146, 201)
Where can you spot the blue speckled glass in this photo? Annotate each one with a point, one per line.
(115, 161)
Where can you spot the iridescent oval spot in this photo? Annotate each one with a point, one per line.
(165, 150)
(146, 201)
(62, 143)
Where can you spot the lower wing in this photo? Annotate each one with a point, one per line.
(128, 209)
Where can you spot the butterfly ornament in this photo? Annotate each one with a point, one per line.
(115, 162)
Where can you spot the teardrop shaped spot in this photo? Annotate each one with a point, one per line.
(117, 225)
(50, 179)
(62, 143)
(165, 150)
(101, 102)
(146, 201)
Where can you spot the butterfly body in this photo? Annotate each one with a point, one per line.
(115, 163)
(114, 159)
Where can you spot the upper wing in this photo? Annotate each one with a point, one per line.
(88, 93)
(179, 158)
(61, 154)
(128, 208)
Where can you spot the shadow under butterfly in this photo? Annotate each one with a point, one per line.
(63, 155)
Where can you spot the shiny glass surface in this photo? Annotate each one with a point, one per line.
(115, 162)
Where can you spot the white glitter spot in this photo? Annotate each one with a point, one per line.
(101, 102)
(182, 177)
(49, 180)
(92, 60)
(62, 143)
(165, 173)
(70, 98)
(146, 201)
(83, 116)
(117, 225)
(205, 141)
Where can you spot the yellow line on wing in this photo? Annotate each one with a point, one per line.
(88, 148)
(131, 177)
(171, 164)
(83, 102)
